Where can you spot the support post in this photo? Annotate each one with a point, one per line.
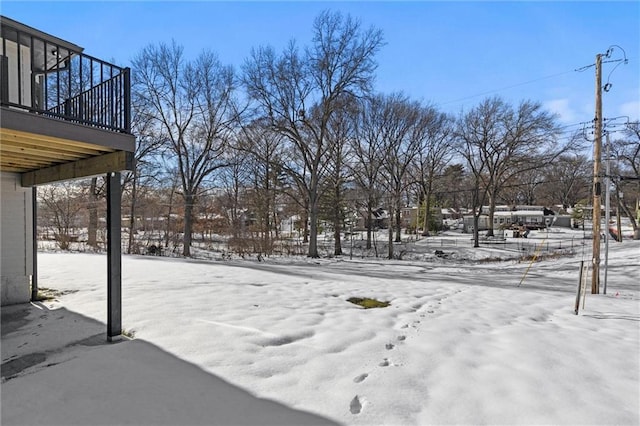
(597, 148)
(34, 226)
(607, 214)
(577, 307)
(114, 258)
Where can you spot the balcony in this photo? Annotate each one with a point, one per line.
(65, 114)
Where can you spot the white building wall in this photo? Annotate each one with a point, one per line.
(19, 87)
(16, 236)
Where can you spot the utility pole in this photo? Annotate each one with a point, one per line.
(597, 187)
(607, 215)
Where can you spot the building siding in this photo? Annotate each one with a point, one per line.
(16, 255)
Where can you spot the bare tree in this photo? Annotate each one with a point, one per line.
(627, 151)
(567, 180)
(499, 142)
(523, 188)
(340, 133)
(147, 157)
(367, 148)
(61, 207)
(92, 229)
(403, 132)
(453, 189)
(432, 157)
(299, 93)
(261, 149)
(192, 103)
(236, 180)
(168, 183)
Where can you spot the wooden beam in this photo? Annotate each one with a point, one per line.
(30, 141)
(111, 162)
(43, 153)
(27, 163)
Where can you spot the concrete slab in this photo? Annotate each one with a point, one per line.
(57, 368)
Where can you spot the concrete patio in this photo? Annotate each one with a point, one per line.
(58, 369)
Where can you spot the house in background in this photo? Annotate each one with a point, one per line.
(530, 217)
(63, 115)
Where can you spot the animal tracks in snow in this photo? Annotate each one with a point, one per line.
(360, 378)
(357, 403)
(356, 406)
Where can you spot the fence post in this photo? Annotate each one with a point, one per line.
(577, 307)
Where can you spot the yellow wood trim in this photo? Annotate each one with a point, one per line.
(17, 135)
(93, 166)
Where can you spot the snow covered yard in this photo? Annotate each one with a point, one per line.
(461, 342)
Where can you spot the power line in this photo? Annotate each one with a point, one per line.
(606, 88)
(505, 88)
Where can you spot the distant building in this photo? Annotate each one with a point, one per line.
(530, 217)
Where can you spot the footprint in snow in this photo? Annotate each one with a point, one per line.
(389, 346)
(356, 406)
(384, 363)
(360, 378)
(401, 338)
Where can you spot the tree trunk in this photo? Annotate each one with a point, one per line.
(629, 213)
(476, 239)
(132, 211)
(313, 218)
(477, 211)
(369, 224)
(305, 226)
(92, 231)
(390, 251)
(425, 224)
(427, 212)
(337, 239)
(492, 209)
(168, 222)
(398, 224)
(188, 224)
(266, 226)
(337, 222)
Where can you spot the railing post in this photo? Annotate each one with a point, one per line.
(126, 73)
(4, 79)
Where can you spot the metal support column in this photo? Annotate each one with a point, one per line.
(34, 226)
(114, 258)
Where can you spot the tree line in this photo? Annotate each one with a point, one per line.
(302, 133)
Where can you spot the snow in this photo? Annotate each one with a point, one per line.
(463, 341)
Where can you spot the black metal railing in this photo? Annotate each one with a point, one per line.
(47, 78)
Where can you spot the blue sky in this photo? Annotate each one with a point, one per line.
(451, 54)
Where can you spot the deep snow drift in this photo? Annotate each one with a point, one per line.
(461, 342)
